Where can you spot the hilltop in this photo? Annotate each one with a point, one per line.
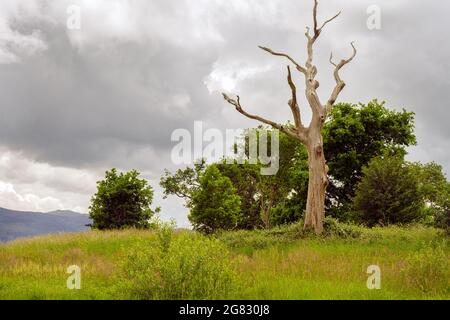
(277, 264)
(18, 224)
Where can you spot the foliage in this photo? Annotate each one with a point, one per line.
(288, 189)
(308, 267)
(388, 193)
(215, 205)
(267, 198)
(249, 241)
(429, 269)
(245, 178)
(190, 266)
(435, 191)
(183, 183)
(354, 135)
(122, 200)
(334, 228)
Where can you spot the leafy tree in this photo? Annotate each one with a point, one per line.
(274, 199)
(288, 184)
(432, 182)
(354, 135)
(261, 196)
(293, 177)
(245, 178)
(122, 200)
(184, 182)
(388, 193)
(215, 205)
(435, 191)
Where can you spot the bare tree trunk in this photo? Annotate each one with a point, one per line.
(310, 136)
(318, 181)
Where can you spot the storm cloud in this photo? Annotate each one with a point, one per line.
(74, 103)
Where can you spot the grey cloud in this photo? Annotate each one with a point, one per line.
(114, 99)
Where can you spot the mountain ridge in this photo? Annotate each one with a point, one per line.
(18, 224)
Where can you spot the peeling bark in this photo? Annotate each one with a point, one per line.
(310, 136)
(318, 182)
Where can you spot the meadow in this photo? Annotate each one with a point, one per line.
(283, 263)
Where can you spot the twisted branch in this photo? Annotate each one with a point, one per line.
(280, 54)
(340, 84)
(237, 104)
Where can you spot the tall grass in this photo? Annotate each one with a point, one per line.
(284, 263)
(189, 266)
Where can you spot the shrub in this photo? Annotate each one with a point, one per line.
(182, 266)
(248, 241)
(429, 269)
(334, 228)
(388, 193)
(215, 205)
(443, 221)
(122, 200)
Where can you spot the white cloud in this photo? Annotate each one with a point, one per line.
(10, 198)
(226, 77)
(14, 44)
(29, 185)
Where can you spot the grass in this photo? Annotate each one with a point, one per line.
(283, 263)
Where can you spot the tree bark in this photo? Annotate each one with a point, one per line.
(318, 181)
(310, 136)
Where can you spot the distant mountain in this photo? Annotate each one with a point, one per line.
(18, 224)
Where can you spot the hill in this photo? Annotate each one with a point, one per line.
(17, 224)
(277, 264)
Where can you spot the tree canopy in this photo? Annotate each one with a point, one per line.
(354, 135)
(122, 200)
(215, 205)
(388, 193)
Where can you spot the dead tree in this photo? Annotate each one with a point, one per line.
(310, 136)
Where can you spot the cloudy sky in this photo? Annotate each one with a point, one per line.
(75, 102)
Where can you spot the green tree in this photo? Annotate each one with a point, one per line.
(245, 178)
(292, 181)
(184, 182)
(388, 193)
(354, 135)
(272, 199)
(215, 205)
(283, 194)
(435, 191)
(122, 200)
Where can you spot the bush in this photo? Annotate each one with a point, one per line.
(388, 193)
(443, 221)
(287, 213)
(122, 200)
(182, 266)
(334, 228)
(429, 269)
(248, 241)
(215, 205)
